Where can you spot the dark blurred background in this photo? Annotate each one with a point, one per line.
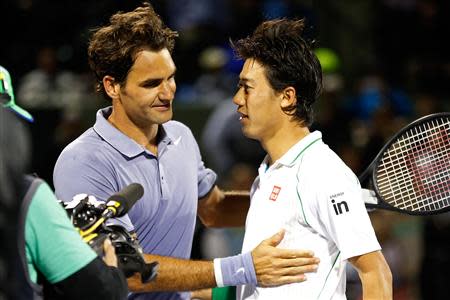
(385, 63)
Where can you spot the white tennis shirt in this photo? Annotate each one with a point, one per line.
(317, 199)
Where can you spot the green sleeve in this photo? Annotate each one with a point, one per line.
(52, 244)
(224, 293)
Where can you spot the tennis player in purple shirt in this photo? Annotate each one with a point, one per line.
(135, 140)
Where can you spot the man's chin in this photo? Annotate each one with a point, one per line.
(164, 118)
(248, 134)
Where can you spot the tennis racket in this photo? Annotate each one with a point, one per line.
(411, 173)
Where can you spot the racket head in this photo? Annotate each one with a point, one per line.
(411, 174)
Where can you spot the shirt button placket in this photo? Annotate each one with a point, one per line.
(163, 183)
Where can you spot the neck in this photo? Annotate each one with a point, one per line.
(144, 136)
(283, 140)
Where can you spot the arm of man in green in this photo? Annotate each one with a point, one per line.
(54, 249)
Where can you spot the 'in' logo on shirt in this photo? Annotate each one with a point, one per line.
(276, 190)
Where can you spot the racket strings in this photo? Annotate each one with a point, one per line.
(425, 187)
(413, 173)
(397, 165)
(433, 171)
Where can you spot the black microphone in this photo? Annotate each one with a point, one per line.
(121, 202)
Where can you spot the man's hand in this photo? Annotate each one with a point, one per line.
(274, 266)
(110, 257)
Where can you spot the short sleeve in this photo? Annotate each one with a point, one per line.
(52, 243)
(343, 216)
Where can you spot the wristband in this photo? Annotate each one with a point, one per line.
(218, 272)
(235, 270)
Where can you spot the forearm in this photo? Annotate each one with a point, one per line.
(184, 275)
(224, 209)
(375, 275)
(376, 285)
(176, 275)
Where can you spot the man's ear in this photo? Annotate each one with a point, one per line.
(289, 98)
(112, 88)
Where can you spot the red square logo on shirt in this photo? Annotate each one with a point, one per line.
(276, 190)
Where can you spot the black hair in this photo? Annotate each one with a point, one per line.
(288, 60)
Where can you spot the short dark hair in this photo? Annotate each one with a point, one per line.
(288, 60)
(112, 49)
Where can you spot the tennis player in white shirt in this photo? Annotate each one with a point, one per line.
(303, 187)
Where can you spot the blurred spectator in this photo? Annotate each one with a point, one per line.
(375, 112)
(224, 144)
(215, 83)
(331, 118)
(48, 88)
(235, 158)
(373, 93)
(54, 98)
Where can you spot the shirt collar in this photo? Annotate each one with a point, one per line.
(291, 156)
(118, 140)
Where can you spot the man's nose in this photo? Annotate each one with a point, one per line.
(237, 99)
(167, 91)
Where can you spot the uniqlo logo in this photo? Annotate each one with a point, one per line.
(276, 190)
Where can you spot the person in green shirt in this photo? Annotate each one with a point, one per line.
(53, 261)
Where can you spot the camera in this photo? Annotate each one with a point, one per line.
(88, 215)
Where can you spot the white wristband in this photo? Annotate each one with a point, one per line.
(218, 272)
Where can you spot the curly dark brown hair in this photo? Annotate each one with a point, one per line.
(288, 60)
(112, 49)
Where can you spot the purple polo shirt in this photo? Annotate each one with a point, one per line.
(103, 160)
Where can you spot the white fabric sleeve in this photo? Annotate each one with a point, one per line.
(344, 216)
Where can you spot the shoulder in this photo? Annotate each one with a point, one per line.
(44, 211)
(88, 155)
(86, 147)
(44, 202)
(323, 165)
